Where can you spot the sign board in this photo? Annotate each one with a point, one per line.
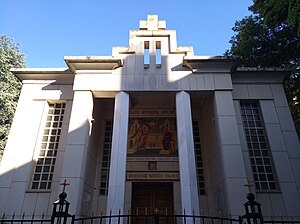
(152, 176)
(147, 159)
(152, 112)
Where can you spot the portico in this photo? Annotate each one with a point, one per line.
(142, 88)
(133, 98)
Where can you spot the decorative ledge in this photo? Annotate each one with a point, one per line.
(209, 63)
(61, 75)
(93, 62)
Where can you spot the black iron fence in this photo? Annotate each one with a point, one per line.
(24, 220)
(60, 215)
(142, 219)
(156, 219)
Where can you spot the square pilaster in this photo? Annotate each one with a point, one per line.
(77, 148)
(117, 174)
(187, 167)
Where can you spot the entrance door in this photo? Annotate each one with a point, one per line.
(146, 197)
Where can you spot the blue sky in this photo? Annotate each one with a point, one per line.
(48, 30)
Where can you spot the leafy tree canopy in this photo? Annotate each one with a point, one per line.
(10, 57)
(276, 12)
(270, 37)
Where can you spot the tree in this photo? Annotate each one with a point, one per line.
(10, 86)
(276, 12)
(271, 38)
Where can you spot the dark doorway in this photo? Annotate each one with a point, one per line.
(146, 197)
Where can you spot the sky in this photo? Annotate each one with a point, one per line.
(48, 30)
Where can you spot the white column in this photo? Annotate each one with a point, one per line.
(77, 147)
(117, 174)
(187, 167)
(229, 154)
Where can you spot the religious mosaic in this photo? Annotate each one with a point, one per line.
(152, 136)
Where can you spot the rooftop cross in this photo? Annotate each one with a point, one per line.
(152, 23)
(249, 184)
(64, 185)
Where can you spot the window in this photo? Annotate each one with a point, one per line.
(198, 158)
(158, 53)
(261, 162)
(152, 165)
(146, 54)
(106, 157)
(44, 169)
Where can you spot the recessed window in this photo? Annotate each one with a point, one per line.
(106, 157)
(152, 165)
(44, 169)
(146, 54)
(158, 53)
(260, 158)
(198, 158)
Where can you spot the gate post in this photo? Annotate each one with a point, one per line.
(60, 212)
(253, 210)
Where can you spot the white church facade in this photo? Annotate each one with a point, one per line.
(152, 126)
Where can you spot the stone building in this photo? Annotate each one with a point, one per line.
(152, 126)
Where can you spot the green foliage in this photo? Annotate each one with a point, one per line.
(256, 44)
(10, 86)
(270, 38)
(292, 90)
(276, 12)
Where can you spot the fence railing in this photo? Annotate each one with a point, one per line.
(156, 219)
(141, 219)
(282, 221)
(24, 221)
(60, 215)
